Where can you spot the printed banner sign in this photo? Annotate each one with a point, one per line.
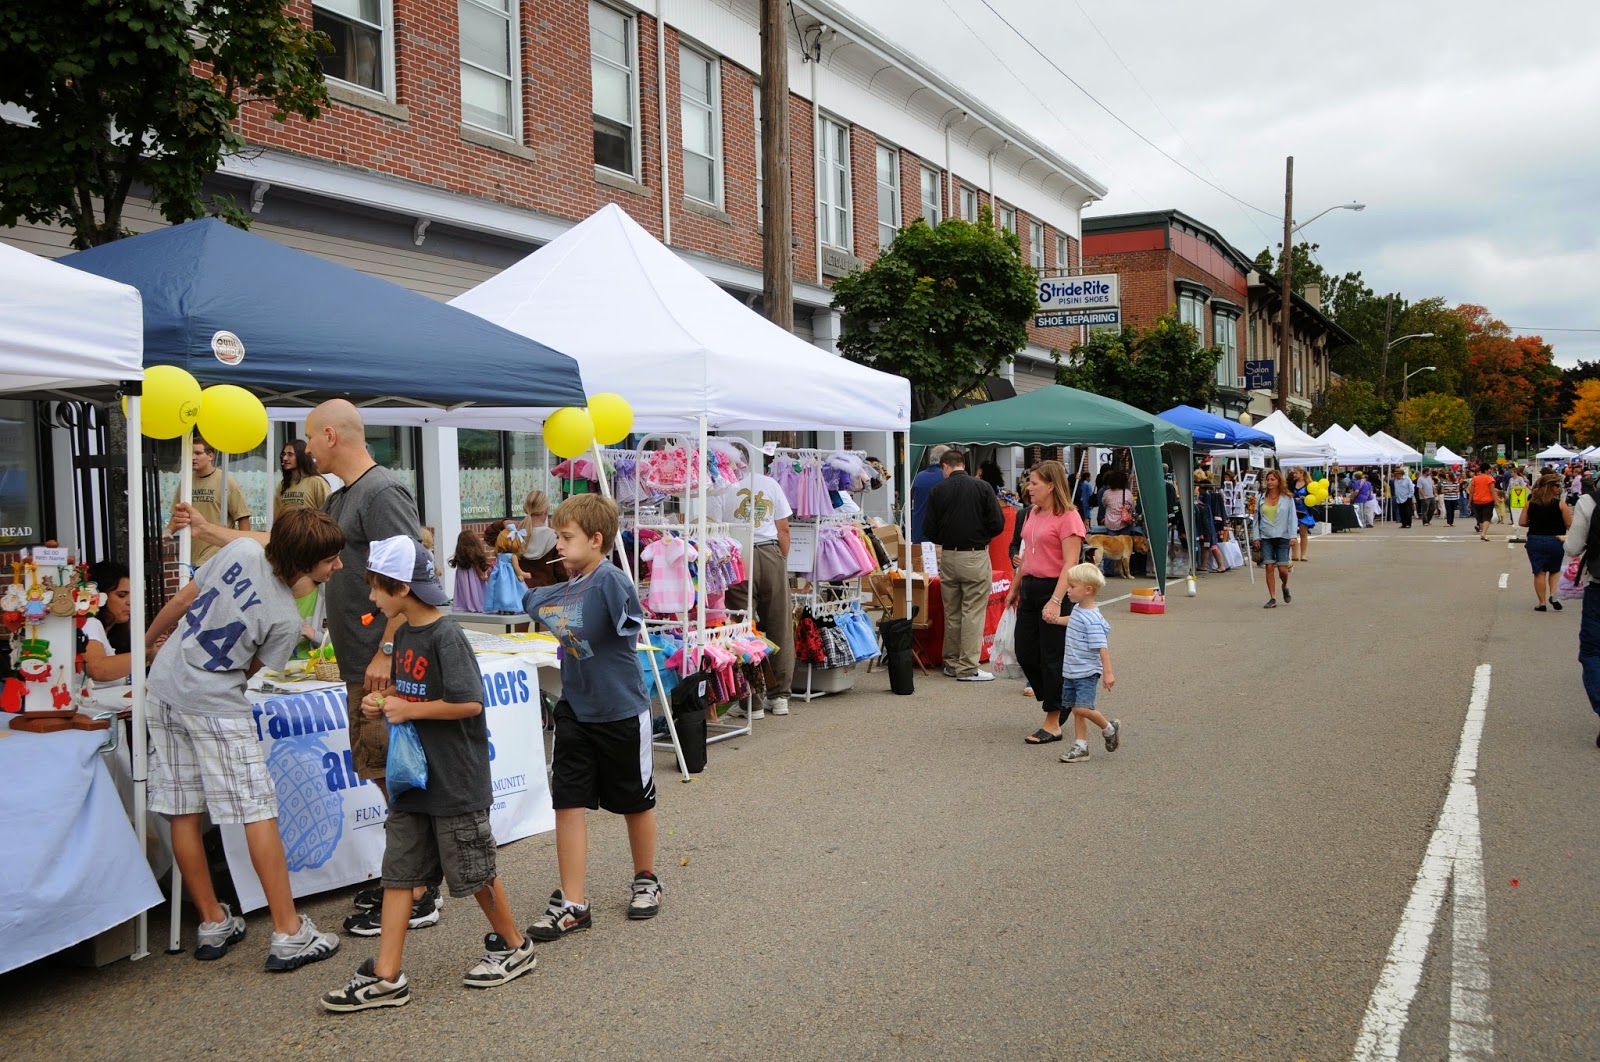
(332, 822)
(1079, 317)
(1092, 292)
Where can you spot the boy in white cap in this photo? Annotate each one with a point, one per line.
(440, 832)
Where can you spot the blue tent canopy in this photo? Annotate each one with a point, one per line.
(1212, 432)
(309, 329)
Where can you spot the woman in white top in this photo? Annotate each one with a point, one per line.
(107, 654)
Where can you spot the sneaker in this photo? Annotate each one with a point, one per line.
(290, 951)
(424, 912)
(979, 675)
(1555, 604)
(216, 938)
(558, 920)
(1076, 754)
(646, 899)
(739, 711)
(368, 899)
(778, 705)
(367, 990)
(1114, 738)
(501, 962)
(1286, 598)
(950, 672)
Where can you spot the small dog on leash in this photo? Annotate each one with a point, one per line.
(1120, 548)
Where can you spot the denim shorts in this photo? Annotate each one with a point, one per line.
(1079, 692)
(1275, 551)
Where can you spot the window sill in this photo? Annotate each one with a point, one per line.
(351, 96)
(613, 179)
(496, 142)
(706, 210)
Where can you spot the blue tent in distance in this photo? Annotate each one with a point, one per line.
(1212, 432)
(296, 330)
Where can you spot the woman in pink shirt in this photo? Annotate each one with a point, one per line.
(1052, 541)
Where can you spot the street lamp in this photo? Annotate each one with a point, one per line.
(1339, 206)
(1405, 432)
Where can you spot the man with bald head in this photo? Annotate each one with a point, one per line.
(372, 505)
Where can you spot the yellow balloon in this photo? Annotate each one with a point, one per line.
(232, 419)
(612, 417)
(170, 403)
(569, 432)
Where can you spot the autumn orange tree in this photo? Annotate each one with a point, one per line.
(1584, 420)
(1505, 374)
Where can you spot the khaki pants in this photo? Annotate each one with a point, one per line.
(774, 615)
(965, 581)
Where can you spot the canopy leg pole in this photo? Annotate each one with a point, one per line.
(905, 517)
(185, 575)
(138, 744)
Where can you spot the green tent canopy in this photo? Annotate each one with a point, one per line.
(1065, 416)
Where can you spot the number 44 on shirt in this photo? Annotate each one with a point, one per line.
(218, 642)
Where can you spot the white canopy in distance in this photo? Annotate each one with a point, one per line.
(1293, 446)
(1556, 452)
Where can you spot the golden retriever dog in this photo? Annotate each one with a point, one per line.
(1119, 548)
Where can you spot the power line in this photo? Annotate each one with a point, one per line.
(1550, 328)
(1119, 119)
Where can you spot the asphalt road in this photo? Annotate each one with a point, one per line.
(881, 876)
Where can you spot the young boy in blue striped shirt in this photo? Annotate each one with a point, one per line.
(1086, 662)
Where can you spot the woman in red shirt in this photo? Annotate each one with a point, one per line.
(1482, 491)
(1052, 542)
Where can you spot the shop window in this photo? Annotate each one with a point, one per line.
(482, 459)
(257, 477)
(1225, 334)
(359, 32)
(969, 205)
(21, 505)
(888, 193)
(1008, 218)
(1062, 264)
(396, 449)
(613, 83)
(833, 183)
(489, 65)
(1036, 246)
(931, 212)
(794, 440)
(702, 126)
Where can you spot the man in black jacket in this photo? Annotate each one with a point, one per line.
(963, 515)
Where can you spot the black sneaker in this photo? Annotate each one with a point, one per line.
(367, 990)
(646, 899)
(369, 899)
(558, 920)
(501, 962)
(424, 912)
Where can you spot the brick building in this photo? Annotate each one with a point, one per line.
(1167, 262)
(462, 136)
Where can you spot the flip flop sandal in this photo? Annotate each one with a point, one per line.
(1041, 737)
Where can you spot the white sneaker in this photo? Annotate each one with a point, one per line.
(739, 711)
(778, 705)
(979, 675)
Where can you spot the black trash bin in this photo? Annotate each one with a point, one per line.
(897, 651)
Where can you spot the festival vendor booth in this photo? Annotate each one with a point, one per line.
(1213, 434)
(1065, 416)
(690, 360)
(1448, 457)
(1557, 452)
(232, 308)
(1291, 445)
(1409, 455)
(74, 866)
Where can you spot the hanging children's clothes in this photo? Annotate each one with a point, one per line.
(671, 589)
(505, 590)
(471, 588)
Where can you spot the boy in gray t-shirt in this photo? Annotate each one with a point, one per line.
(602, 722)
(235, 616)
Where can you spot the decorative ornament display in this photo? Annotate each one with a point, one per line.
(569, 432)
(12, 604)
(170, 404)
(35, 666)
(612, 417)
(86, 601)
(232, 419)
(37, 604)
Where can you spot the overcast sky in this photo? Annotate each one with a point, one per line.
(1470, 129)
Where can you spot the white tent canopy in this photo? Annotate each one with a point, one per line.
(647, 325)
(63, 327)
(1408, 454)
(1350, 450)
(1292, 446)
(1556, 452)
(1393, 454)
(1448, 456)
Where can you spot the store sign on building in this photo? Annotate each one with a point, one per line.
(837, 263)
(1260, 375)
(1084, 317)
(1085, 300)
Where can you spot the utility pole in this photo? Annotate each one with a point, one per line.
(777, 214)
(1288, 305)
(1383, 372)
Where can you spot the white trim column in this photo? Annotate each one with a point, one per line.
(441, 477)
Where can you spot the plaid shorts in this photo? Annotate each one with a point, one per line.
(208, 763)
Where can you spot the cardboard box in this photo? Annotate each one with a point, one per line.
(889, 535)
(889, 591)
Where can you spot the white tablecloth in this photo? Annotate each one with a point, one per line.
(70, 865)
(332, 822)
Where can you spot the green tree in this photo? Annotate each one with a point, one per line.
(1348, 401)
(1436, 418)
(944, 307)
(1152, 369)
(145, 93)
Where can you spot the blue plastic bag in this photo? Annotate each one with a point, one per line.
(408, 763)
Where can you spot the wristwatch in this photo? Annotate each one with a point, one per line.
(388, 648)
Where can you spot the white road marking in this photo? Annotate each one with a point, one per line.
(1455, 850)
(1503, 577)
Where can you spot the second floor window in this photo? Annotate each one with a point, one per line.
(1225, 334)
(1062, 262)
(833, 184)
(488, 64)
(702, 134)
(969, 205)
(356, 28)
(1192, 311)
(930, 197)
(611, 71)
(1008, 218)
(1036, 246)
(888, 194)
